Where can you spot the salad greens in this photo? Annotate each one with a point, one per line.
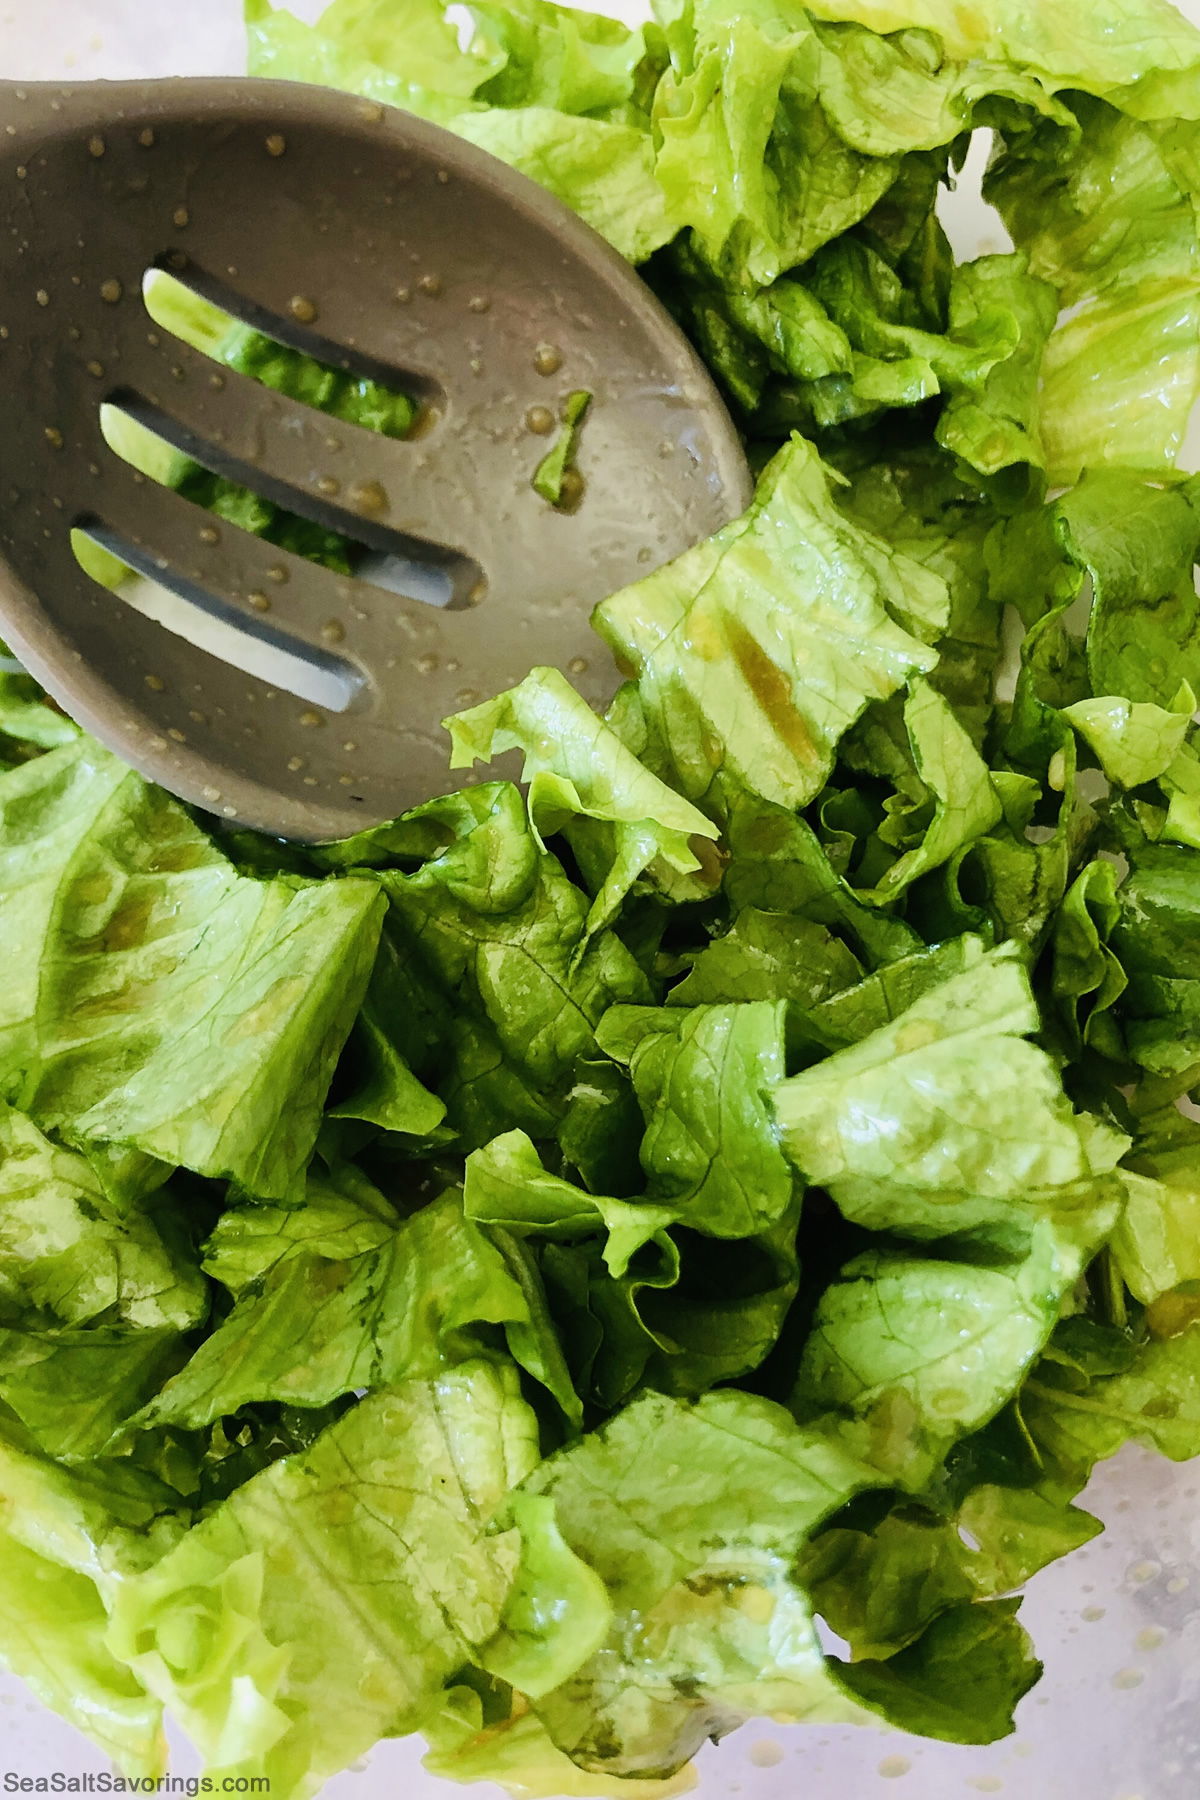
(512, 1274)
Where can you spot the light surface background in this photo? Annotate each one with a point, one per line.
(1117, 1716)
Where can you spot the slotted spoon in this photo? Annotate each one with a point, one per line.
(384, 246)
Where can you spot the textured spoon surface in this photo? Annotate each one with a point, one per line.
(384, 246)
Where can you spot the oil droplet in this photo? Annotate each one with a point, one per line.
(1178, 1584)
(174, 732)
(466, 696)
(310, 716)
(547, 359)
(3, 331)
(371, 110)
(570, 492)
(96, 146)
(350, 746)
(333, 632)
(328, 484)
(539, 419)
(1127, 1679)
(22, 171)
(987, 1784)
(892, 1767)
(259, 602)
(276, 144)
(212, 793)
(578, 665)
(43, 298)
(477, 594)
(765, 1753)
(332, 443)
(146, 138)
(111, 292)
(302, 309)
(443, 176)
(74, 333)
(229, 812)
(645, 553)
(369, 497)
(1145, 1571)
(209, 534)
(199, 718)
(347, 781)
(1092, 1614)
(54, 437)
(295, 764)
(1151, 1638)
(427, 664)
(479, 303)
(96, 369)
(430, 284)
(153, 339)
(404, 295)
(156, 683)
(277, 572)
(217, 382)
(180, 216)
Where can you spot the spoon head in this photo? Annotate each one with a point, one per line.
(250, 680)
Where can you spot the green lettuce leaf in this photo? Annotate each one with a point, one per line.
(738, 674)
(66, 1250)
(701, 1075)
(343, 1215)
(313, 1327)
(576, 765)
(1134, 742)
(327, 1600)
(52, 1630)
(74, 1390)
(961, 1681)
(126, 897)
(493, 972)
(709, 1627)
(947, 1119)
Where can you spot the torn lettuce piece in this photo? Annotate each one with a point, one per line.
(966, 804)
(326, 1601)
(493, 971)
(960, 1681)
(709, 1626)
(948, 1119)
(556, 478)
(908, 1354)
(769, 956)
(701, 1075)
(75, 1389)
(342, 1216)
(245, 989)
(507, 1185)
(67, 1251)
(315, 1326)
(52, 1636)
(742, 671)
(576, 766)
(1134, 742)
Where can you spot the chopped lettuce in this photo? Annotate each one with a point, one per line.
(510, 1274)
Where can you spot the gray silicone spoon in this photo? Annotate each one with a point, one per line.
(383, 246)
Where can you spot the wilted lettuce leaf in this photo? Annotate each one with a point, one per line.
(709, 1628)
(245, 989)
(66, 1250)
(740, 673)
(327, 1600)
(315, 1326)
